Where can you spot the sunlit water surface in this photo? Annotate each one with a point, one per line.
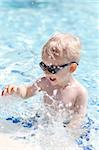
(24, 28)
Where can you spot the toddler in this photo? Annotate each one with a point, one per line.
(60, 59)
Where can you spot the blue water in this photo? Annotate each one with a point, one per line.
(24, 27)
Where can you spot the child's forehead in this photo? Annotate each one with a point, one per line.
(54, 61)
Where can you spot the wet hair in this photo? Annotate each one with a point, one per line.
(62, 45)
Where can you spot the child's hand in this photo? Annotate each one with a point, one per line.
(10, 89)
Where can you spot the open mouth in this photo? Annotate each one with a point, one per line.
(52, 79)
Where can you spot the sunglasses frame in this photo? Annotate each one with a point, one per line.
(52, 68)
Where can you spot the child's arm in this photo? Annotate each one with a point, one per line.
(24, 91)
(80, 110)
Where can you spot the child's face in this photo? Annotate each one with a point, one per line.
(56, 75)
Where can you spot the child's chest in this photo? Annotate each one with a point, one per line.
(67, 97)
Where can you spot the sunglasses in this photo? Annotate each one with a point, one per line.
(52, 68)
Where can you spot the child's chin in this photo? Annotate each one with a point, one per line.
(54, 83)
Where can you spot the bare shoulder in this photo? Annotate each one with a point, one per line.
(82, 91)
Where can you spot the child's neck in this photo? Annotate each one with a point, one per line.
(65, 84)
(68, 82)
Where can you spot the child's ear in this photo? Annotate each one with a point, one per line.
(73, 67)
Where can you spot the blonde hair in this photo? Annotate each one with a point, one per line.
(62, 45)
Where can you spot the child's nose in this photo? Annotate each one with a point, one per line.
(47, 72)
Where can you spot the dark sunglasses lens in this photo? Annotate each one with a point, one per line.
(53, 70)
(43, 66)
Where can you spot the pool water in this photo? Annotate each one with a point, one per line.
(24, 27)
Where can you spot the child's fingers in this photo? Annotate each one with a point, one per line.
(15, 89)
(11, 89)
(8, 90)
(1, 94)
(4, 92)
